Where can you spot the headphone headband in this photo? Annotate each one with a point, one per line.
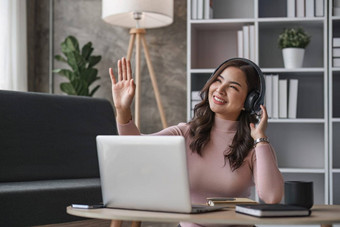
(254, 98)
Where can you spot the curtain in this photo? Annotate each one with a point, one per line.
(13, 45)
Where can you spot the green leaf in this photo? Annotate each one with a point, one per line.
(86, 51)
(80, 86)
(94, 90)
(89, 75)
(93, 60)
(68, 88)
(60, 58)
(66, 73)
(76, 61)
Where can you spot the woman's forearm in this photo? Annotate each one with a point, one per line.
(268, 178)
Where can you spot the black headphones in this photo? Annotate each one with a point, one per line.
(256, 97)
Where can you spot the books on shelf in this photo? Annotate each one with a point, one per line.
(319, 8)
(283, 104)
(201, 9)
(305, 8)
(290, 8)
(336, 41)
(272, 210)
(336, 62)
(293, 95)
(246, 42)
(281, 97)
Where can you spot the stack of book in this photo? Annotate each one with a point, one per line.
(195, 99)
(201, 9)
(336, 52)
(281, 97)
(305, 8)
(228, 201)
(246, 42)
(336, 8)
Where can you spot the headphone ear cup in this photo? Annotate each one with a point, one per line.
(250, 102)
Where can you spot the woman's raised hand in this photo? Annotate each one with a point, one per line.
(260, 130)
(123, 90)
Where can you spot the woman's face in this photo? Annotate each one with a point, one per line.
(228, 93)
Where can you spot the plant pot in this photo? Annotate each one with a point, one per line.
(293, 57)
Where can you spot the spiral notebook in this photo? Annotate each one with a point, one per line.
(272, 210)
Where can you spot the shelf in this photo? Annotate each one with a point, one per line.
(293, 19)
(299, 170)
(336, 120)
(283, 70)
(297, 120)
(335, 170)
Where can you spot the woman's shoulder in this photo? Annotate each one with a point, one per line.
(179, 129)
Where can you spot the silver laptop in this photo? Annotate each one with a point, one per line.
(145, 173)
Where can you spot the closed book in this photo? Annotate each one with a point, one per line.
(269, 95)
(246, 42)
(319, 8)
(272, 210)
(228, 202)
(283, 98)
(300, 8)
(293, 97)
(336, 62)
(194, 9)
(195, 95)
(207, 9)
(310, 8)
(275, 88)
(240, 44)
(336, 11)
(252, 42)
(336, 42)
(336, 3)
(200, 9)
(290, 8)
(336, 52)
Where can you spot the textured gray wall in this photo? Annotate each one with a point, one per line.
(82, 19)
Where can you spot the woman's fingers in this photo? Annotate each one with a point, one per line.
(124, 68)
(119, 66)
(112, 76)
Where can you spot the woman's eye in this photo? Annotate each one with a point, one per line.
(234, 87)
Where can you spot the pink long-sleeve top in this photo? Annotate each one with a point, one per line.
(210, 176)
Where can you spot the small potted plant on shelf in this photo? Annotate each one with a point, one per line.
(293, 42)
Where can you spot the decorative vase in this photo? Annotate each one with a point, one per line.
(293, 57)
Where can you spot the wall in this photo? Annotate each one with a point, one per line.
(82, 19)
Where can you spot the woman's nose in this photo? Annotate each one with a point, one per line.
(221, 89)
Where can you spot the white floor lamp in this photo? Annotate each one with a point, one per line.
(139, 15)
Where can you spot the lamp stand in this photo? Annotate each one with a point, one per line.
(137, 36)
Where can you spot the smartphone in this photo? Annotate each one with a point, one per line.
(87, 206)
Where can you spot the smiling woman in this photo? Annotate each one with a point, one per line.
(223, 159)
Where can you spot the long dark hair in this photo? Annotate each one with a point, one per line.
(202, 122)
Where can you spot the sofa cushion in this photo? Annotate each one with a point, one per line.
(44, 202)
(44, 136)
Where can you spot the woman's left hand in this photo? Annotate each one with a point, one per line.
(260, 130)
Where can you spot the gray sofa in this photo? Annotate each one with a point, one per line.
(48, 156)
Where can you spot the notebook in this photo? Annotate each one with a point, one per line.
(145, 173)
(272, 210)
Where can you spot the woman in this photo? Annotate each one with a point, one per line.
(223, 159)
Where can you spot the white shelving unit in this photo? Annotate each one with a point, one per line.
(334, 110)
(301, 144)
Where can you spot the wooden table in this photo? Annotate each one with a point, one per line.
(325, 215)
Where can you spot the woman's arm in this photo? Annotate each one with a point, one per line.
(267, 177)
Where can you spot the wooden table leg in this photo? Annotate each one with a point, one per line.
(136, 224)
(116, 223)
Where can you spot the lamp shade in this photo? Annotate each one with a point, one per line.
(153, 13)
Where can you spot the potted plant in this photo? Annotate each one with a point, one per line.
(293, 42)
(81, 62)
